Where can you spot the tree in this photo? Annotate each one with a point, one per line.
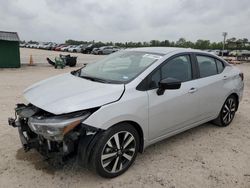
(154, 43)
(202, 44)
(181, 42)
(231, 43)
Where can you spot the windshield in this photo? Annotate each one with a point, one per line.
(120, 67)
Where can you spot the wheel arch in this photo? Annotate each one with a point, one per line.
(138, 129)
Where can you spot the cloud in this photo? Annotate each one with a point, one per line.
(125, 20)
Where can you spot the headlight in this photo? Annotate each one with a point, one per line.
(54, 128)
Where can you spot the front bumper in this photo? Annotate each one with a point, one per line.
(56, 150)
(79, 140)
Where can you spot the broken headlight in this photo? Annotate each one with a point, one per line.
(55, 127)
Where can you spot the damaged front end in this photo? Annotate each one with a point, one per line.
(54, 136)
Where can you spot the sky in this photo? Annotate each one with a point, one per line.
(125, 20)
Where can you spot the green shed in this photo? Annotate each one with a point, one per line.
(9, 50)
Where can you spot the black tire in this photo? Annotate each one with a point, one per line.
(227, 112)
(121, 159)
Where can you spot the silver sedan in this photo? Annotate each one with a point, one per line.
(108, 111)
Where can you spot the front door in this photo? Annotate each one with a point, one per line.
(175, 109)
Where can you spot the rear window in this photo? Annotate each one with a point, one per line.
(220, 66)
(207, 66)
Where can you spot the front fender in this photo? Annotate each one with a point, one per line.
(133, 106)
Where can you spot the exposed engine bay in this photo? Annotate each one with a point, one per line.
(56, 137)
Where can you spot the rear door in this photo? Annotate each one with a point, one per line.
(210, 85)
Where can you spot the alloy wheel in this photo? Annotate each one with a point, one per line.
(229, 110)
(118, 152)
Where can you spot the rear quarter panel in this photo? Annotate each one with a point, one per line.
(233, 83)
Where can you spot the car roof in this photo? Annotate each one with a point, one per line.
(164, 50)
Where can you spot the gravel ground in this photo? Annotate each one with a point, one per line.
(206, 156)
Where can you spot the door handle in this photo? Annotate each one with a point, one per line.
(192, 90)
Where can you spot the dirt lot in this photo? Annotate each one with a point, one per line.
(206, 156)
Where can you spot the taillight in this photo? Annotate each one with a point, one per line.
(242, 76)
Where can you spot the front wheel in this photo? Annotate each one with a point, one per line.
(116, 150)
(227, 112)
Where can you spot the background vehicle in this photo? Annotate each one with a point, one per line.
(66, 48)
(77, 48)
(22, 45)
(215, 52)
(108, 50)
(88, 49)
(59, 48)
(33, 45)
(110, 110)
(225, 52)
(49, 46)
(244, 53)
(95, 51)
(105, 50)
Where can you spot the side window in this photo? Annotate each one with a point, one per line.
(178, 68)
(220, 66)
(207, 66)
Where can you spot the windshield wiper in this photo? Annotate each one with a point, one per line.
(77, 72)
(95, 79)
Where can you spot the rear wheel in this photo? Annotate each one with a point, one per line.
(116, 150)
(227, 112)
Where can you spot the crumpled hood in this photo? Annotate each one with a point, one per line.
(68, 93)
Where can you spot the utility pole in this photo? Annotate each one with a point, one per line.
(224, 34)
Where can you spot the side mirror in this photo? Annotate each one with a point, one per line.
(168, 83)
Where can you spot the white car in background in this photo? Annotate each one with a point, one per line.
(108, 111)
(33, 45)
(215, 52)
(77, 48)
(65, 48)
(105, 50)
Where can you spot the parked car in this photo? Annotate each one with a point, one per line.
(89, 48)
(69, 47)
(53, 46)
(33, 45)
(41, 46)
(27, 45)
(95, 51)
(225, 52)
(77, 48)
(49, 46)
(215, 52)
(56, 47)
(65, 48)
(235, 53)
(45, 46)
(105, 50)
(108, 111)
(245, 53)
(22, 45)
(59, 48)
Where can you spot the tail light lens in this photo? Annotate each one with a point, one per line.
(242, 76)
